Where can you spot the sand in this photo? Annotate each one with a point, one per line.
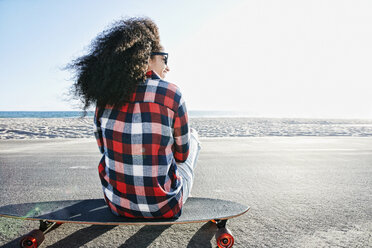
(45, 128)
(51, 128)
(303, 192)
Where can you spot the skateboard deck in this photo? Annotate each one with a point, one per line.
(96, 212)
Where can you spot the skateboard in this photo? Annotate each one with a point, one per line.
(96, 212)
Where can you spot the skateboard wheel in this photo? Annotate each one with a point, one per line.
(224, 238)
(33, 239)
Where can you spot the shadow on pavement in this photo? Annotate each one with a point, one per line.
(13, 243)
(142, 238)
(145, 236)
(76, 239)
(202, 238)
(82, 236)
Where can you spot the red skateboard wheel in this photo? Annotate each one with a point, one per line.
(33, 239)
(224, 238)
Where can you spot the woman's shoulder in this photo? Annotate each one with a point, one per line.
(163, 86)
(163, 92)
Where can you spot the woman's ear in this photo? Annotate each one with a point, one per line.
(149, 64)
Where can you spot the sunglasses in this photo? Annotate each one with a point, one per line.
(163, 54)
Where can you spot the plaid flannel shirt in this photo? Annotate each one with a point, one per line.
(140, 143)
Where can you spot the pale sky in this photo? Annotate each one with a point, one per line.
(275, 58)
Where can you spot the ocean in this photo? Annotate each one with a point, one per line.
(43, 114)
(77, 114)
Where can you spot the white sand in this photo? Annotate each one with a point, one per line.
(46, 128)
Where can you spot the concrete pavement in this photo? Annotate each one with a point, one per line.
(303, 192)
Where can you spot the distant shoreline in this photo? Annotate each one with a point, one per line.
(192, 114)
(78, 114)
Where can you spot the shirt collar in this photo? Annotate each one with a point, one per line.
(152, 75)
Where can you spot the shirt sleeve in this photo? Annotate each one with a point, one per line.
(181, 134)
(98, 131)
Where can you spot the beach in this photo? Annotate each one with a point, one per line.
(308, 182)
(49, 128)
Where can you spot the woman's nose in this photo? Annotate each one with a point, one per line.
(167, 68)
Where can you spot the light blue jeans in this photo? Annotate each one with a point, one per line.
(186, 169)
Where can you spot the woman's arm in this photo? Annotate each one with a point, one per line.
(181, 134)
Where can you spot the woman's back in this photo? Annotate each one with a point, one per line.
(141, 142)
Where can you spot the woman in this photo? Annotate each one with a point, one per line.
(141, 123)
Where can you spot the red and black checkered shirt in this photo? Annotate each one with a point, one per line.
(141, 142)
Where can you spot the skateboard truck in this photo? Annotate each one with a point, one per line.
(34, 238)
(223, 235)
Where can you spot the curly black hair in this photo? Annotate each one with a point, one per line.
(116, 62)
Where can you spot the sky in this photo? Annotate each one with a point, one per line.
(266, 58)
